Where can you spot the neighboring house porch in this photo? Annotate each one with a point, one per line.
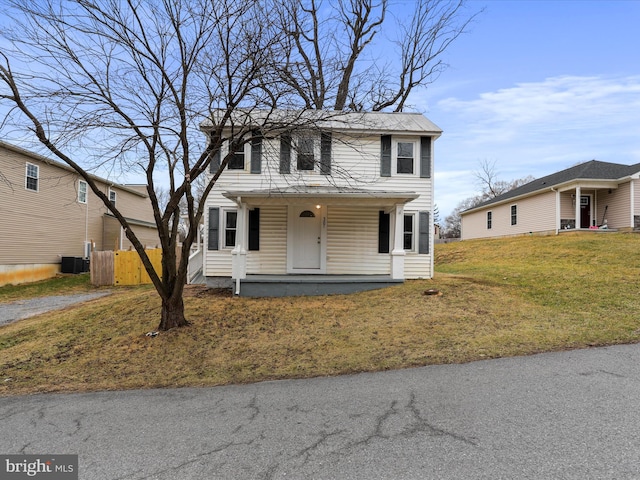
(591, 196)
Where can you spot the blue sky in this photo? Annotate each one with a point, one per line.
(536, 86)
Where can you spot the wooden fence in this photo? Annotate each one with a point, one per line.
(123, 267)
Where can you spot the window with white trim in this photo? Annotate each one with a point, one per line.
(230, 219)
(32, 177)
(237, 160)
(489, 220)
(405, 155)
(82, 191)
(514, 214)
(112, 196)
(409, 232)
(305, 153)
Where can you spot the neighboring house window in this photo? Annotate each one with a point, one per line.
(236, 162)
(230, 228)
(82, 191)
(405, 157)
(112, 197)
(32, 177)
(514, 214)
(305, 153)
(409, 232)
(489, 219)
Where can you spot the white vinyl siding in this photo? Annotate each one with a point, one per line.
(345, 254)
(619, 202)
(535, 214)
(272, 257)
(355, 164)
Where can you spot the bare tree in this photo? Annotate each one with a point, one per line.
(491, 187)
(327, 64)
(129, 84)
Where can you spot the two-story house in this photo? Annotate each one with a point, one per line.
(340, 206)
(48, 212)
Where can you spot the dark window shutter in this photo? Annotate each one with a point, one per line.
(215, 162)
(384, 225)
(385, 156)
(425, 157)
(254, 229)
(325, 153)
(256, 152)
(424, 232)
(214, 225)
(285, 154)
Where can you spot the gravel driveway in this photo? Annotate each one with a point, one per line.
(10, 312)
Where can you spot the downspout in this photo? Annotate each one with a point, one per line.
(557, 210)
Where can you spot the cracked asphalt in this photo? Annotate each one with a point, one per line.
(564, 415)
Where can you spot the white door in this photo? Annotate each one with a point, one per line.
(306, 239)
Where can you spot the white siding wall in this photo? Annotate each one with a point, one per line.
(352, 242)
(619, 202)
(272, 257)
(355, 163)
(534, 214)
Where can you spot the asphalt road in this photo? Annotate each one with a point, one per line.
(567, 415)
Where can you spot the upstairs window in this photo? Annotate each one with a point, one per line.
(405, 157)
(236, 162)
(112, 196)
(32, 175)
(514, 214)
(82, 191)
(489, 220)
(305, 153)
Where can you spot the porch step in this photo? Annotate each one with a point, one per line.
(296, 285)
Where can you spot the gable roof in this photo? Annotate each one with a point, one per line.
(592, 170)
(370, 122)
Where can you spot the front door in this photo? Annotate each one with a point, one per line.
(585, 211)
(306, 239)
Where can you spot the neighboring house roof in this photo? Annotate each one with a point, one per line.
(592, 170)
(373, 122)
(134, 190)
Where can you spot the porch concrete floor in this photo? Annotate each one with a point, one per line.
(296, 285)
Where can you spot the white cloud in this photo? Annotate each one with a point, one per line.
(536, 128)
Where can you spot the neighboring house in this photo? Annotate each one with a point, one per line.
(340, 207)
(47, 212)
(587, 196)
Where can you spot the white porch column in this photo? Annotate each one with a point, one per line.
(398, 253)
(578, 192)
(239, 253)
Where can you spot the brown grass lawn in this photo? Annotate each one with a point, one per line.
(498, 298)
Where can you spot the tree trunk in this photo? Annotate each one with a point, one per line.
(172, 314)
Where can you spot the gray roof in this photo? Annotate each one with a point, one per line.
(371, 122)
(592, 170)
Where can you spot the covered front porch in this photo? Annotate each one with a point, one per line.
(317, 240)
(595, 206)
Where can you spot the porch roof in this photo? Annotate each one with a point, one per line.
(326, 194)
